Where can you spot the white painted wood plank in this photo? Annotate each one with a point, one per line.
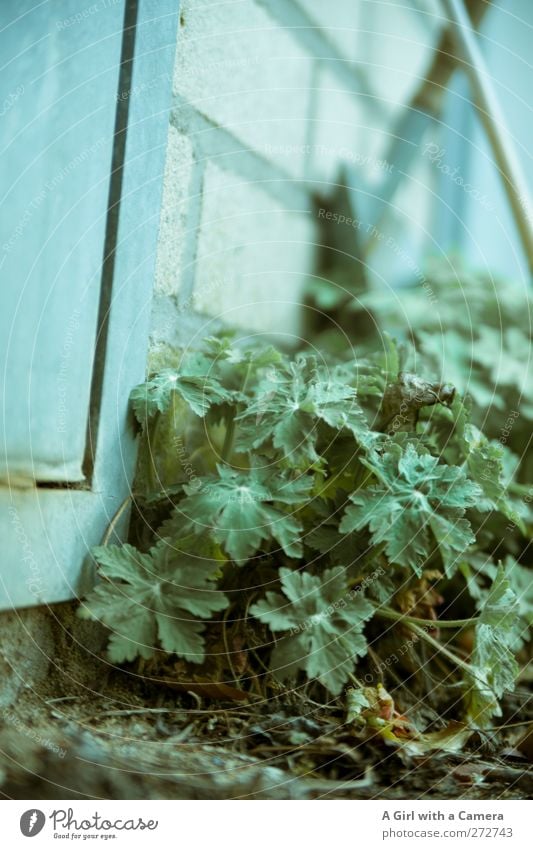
(47, 534)
(59, 90)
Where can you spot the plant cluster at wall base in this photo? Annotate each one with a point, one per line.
(324, 522)
(470, 328)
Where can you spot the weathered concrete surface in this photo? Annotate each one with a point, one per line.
(43, 648)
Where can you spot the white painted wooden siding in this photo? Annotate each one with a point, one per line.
(58, 90)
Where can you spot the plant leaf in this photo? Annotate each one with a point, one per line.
(416, 503)
(493, 663)
(199, 391)
(290, 404)
(242, 510)
(154, 600)
(326, 619)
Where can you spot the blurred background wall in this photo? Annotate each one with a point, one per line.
(269, 100)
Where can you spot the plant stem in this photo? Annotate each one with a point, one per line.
(388, 613)
(455, 659)
(114, 521)
(510, 725)
(442, 649)
(229, 438)
(151, 447)
(411, 622)
(227, 448)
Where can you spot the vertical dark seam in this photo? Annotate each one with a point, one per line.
(111, 234)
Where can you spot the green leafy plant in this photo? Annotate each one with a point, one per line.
(274, 513)
(325, 624)
(417, 506)
(155, 599)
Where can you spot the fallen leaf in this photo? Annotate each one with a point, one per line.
(209, 689)
(467, 773)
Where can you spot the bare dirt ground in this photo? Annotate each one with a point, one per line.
(133, 739)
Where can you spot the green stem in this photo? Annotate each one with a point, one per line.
(412, 622)
(395, 616)
(440, 648)
(229, 438)
(151, 449)
(423, 635)
(517, 488)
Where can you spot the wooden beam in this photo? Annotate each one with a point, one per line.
(489, 112)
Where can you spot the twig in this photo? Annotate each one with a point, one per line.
(333, 784)
(60, 699)
(511, 725)
(136, 711)
(114, 521)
